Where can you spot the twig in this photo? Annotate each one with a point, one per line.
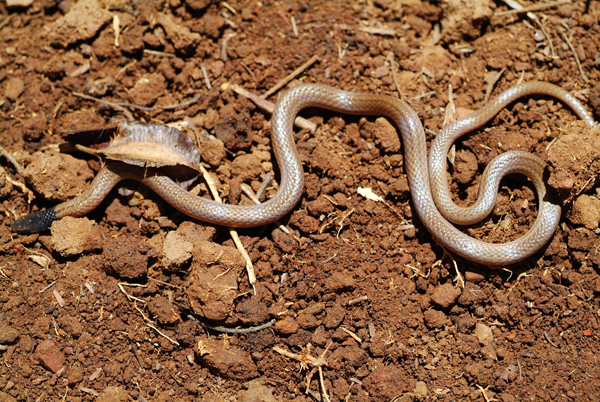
(232, 231)
(122, 105)
(205, 74)
(270, 107)
(290, 77)
(535, 7)
(47, 287)
(229, 7)
(157, 53)
(126, 112)
(174, 342)
(248, 191)
(352, 334)
(393, 67)
(241, 330)
(358, 300)
(226, 38)
(329, 259)
(305, 360)
(378, 31)
(518, 7)
(483, 390)
(116, 25)
(164, 283)
(549, 340)
(294, 27)
(12, 160)
(495, 77)
(23, 187)
(564, 35)
(130, 297)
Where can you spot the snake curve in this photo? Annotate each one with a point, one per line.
(427, 177)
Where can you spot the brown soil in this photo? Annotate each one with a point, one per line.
(112, 306)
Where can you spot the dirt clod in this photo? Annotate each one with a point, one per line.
(386, 382)
(213, 279)
(226, 360)
(58, 177)
(74, 236)
(177, 251)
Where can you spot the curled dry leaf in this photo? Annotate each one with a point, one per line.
(149, 145)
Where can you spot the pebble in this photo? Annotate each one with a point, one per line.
(585, 211)
(8, 335)
(50, 356)
(286, 326)
(6, 397)
(445, 296)
(484, 334)
(177, 251)
(421, 389)
(14, 88)
(114, 394)
(257, 392)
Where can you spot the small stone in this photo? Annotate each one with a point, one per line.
(6, 397)
(246, 167)
(75, 236)
(177, 251)
(212, 152)
(8, 335)
(14, 88)
(386, 137)
(387, 382)
(148, 89)
(58, 177)
(286, 326)
(50, 356)
(257, 392)
(434, 318)
(252, 312)
(484, 334)
(113, 394)
(445, 296)
(75, 374)
(421, 389)
(585, 211)
(339, 281)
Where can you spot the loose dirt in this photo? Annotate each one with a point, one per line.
(130, 302)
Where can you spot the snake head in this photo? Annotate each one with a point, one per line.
(34, 222)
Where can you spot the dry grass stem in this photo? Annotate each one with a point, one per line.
(570, 44)
(290, 77)
(205, 75)
(234, 235)
(270, 106)
(535, 7)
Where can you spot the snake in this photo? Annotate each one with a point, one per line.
(427, 174)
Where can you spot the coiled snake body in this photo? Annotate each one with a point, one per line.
(427, 179)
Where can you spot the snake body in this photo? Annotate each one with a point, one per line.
(427, 180)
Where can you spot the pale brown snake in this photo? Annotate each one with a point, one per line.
(425, 182)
